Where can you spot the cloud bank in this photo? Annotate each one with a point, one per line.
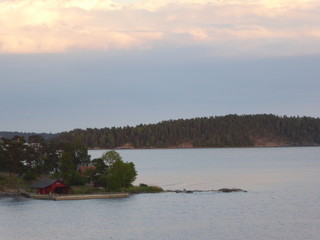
(224, 27)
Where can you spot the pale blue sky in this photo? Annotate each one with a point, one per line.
(58, 92)
(85, 64)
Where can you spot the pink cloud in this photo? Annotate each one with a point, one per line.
(61, 26)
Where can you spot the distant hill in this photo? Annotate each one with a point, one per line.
(224, 131)
(9, 135)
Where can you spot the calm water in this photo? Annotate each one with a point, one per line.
(282, 202)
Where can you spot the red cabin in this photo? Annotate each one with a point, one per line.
(51, 186)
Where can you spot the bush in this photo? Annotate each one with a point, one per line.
(29, 176)
(74, 178)
(144, 188)
(143, 185)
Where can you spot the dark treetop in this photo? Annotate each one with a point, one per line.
(223, 131)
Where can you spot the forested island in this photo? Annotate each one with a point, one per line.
(226, 131)
(24, 161)
(261, 130)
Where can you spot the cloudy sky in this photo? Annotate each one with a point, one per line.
(68, 64)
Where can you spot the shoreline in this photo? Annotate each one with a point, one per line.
(172, 148)
(57, 197)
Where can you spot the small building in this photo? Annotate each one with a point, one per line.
(51, 186)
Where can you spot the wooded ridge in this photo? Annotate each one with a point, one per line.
(222, 131)
(7, 134)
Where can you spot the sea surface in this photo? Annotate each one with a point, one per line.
(282, 202)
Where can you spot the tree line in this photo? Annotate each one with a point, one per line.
(26, 135)
(221, 131)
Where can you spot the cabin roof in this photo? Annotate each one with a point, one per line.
(43, 183)
(85, 168)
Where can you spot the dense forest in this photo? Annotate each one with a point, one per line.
(9, 135)
(223, 131)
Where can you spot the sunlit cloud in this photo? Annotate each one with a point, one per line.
(224, 26)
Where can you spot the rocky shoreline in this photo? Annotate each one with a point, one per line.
(224, 190)
(13, 194)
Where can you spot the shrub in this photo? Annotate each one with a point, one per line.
(29, 176)
(144, 188)
(74, 178)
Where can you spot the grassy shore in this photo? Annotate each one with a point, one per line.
(142, 188)
(10, 184)
(13, 184)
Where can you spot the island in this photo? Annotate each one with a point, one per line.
(49, 170)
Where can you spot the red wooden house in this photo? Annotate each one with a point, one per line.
(51, 186)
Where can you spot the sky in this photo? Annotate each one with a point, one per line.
(69, 64)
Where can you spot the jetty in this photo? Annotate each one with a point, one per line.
(78, 197)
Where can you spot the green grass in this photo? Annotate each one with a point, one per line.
(85, 189)
(144, 188)
(10, 183)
